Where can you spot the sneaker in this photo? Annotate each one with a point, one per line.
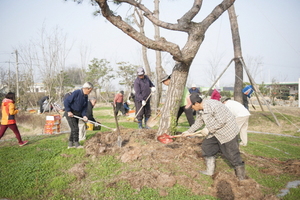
(23, 143)
(78, 146)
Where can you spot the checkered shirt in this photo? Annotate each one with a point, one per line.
(218, 120)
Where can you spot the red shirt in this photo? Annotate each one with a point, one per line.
(216, 95)
(118, 98)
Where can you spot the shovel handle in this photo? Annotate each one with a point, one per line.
(96, 123)
(192, 134)
(142, 106)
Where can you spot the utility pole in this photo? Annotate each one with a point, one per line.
(17, 74)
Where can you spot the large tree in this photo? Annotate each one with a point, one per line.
(183, 56)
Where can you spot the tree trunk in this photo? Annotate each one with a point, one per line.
(173, 98)
(238, 85)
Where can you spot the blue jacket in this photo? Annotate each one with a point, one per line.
(142, 88)
(77, 102)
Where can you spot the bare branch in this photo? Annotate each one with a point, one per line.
(161, 45)
(216, 13)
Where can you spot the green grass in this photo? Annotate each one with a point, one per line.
(39, 170)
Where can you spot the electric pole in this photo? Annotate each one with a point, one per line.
(17, 75)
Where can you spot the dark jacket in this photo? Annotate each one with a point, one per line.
(76, 102)
(142, 88)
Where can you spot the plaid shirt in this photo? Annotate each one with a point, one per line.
(218, 120)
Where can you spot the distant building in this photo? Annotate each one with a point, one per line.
(37, 87)
(293, 87)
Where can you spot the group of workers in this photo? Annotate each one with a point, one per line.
(223, 119)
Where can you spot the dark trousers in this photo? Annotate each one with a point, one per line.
(119, 107)
(14, 128)
(230, 150)
(73, 123)
(145, 111)
(188, 113)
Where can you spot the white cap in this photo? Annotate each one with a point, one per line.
(87, 85)
(140, 71)
(193, 85)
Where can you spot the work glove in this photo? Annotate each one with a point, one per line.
(70, 114)
(143, 103)
(153, 89)
(185, 134)
(204, 131)
(85, 119)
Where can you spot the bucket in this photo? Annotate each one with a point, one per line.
(89, 126)
(248, 90)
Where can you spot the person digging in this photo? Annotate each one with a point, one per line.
(222, 134)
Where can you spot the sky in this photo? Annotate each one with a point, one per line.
(269, 32)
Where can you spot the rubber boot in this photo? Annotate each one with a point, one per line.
(240, 172)
(146, 127)
(140, 123)
(70, 145)
(210, 166)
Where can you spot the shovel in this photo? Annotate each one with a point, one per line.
(96, 123)
(119, 140)
(165, 138)
(153, 120)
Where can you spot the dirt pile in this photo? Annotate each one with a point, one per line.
(154, 164)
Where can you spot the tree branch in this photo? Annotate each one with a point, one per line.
(216, 13)
(161, 45)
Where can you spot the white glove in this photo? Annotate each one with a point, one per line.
(153, 89)
(185, 134)
(143, 103)
(85, 118)
(205, 131)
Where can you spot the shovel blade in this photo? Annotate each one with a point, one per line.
(151, 122)
(119, 141)
(165, 138)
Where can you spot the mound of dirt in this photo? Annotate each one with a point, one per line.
(154, 164)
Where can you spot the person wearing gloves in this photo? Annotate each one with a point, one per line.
(185, 105)
(222, 134)
(241, 116)
(143, 88)
(76, 104)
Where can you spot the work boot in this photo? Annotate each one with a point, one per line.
(78, 146)
(140, 123)
(210, 166)
(240, 172)
(146, 127)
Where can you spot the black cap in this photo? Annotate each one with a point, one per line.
(195, 98)
(166, 77)
(122, 92)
